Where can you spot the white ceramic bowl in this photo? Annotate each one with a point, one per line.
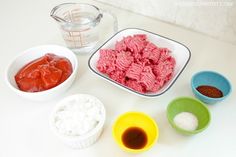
(179, 51)
(32, 54)
(83, 141)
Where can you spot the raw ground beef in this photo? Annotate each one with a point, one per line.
(137, 63)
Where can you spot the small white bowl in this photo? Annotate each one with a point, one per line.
(83, 141)
(32, 54)
(179, 51)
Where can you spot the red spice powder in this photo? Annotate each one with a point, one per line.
(210, 91)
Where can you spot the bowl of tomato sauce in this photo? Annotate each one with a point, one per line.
(43, 72)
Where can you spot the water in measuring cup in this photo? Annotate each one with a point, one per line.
(82, 35)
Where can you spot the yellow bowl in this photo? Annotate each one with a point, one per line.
(135, 119)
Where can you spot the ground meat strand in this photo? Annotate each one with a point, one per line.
(137, 63)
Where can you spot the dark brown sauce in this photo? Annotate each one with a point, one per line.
(134, 138)
(210, 91)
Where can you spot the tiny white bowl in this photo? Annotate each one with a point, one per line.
(179, 51)
(83, 141)
(32, 54)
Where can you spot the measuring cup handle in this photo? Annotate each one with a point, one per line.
(115, 21)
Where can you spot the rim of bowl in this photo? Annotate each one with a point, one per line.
(181, 129)
(136, 150)
(90, 133)
(145, 95)
(216, 73)
(45, 91)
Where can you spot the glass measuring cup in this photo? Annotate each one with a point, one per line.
(79, 25)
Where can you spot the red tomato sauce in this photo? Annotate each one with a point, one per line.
(43, 73)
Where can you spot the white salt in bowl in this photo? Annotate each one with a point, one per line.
(77, 141)
(190, 105)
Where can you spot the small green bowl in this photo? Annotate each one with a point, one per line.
(194, 106)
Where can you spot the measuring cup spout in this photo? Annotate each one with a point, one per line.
(55, 17)
(58, 19)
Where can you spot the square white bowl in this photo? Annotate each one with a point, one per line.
(179, 51)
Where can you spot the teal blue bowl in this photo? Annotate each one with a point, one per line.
(210, 78)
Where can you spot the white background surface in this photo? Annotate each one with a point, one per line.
(24, 129)
(198, 15)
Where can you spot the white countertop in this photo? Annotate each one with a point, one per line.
(24, 129)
